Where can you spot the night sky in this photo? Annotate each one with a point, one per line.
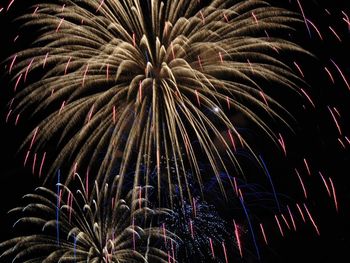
(316, 135)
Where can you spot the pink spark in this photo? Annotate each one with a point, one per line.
(301, 183)
(236, 186)
(239, 244)
(325, 183)
(226, 18)
(8, 115)
(221, 58)
(341, 73)
(329, 74)
(307, 166)
(308, 97)
(45, 59)
(212, 247)
(202, 16)
(262, 94)
(85, 72)
(335, 33)
(12, 63)
(102, 2)
(281, 141)
(67, 65)
(279, 225)
(228, 103)
(334, 195)
(36, 9)
(263, 233)
(225, 253)
(312, 220)
(62, 106)
(191, 228)
(34, 162)
(301, 213)
(255, 18)
(90, 113)
(198, 100)
(305, 20)
(17, 119)
(285, 221)
(341, 143)
(9, 5)
(59, 25)
(347, 139)
(316, 29)
(292, 218)
(42, 164)
(335, 120)
(26, 158)
(33, 138)
(75, 169)
(15, 39)
(17, 82)
(27, 70)
(232, 140)
(299, 69)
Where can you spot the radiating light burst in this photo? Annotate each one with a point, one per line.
(134, 80)
(83, 226)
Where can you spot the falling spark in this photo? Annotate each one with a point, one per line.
(312, 220)
(335, 34)
(263, 233)
(239, 244)
(325, 183)
(341, 74)
(292, 218)
(334, 195)
(305, 20)
(279, 225)
(301, 183)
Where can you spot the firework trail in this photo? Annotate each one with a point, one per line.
(134, 80)
(87, 227)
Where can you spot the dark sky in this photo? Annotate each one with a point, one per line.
(317, 134)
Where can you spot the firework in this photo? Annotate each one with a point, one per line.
(87, 227)
(133, 82)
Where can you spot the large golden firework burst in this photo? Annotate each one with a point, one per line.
(133, 81)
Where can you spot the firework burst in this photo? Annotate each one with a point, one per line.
(87, 227)
(133, 81)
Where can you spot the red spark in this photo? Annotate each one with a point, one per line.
(334, 195)
(312, 220)
(279, 225)
(302, 183)
(42, 164)
(263, 233)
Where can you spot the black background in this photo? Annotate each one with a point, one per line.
(317, 137)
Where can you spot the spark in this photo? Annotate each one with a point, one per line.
(334, 195)
(312, 220)
(263, 233)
